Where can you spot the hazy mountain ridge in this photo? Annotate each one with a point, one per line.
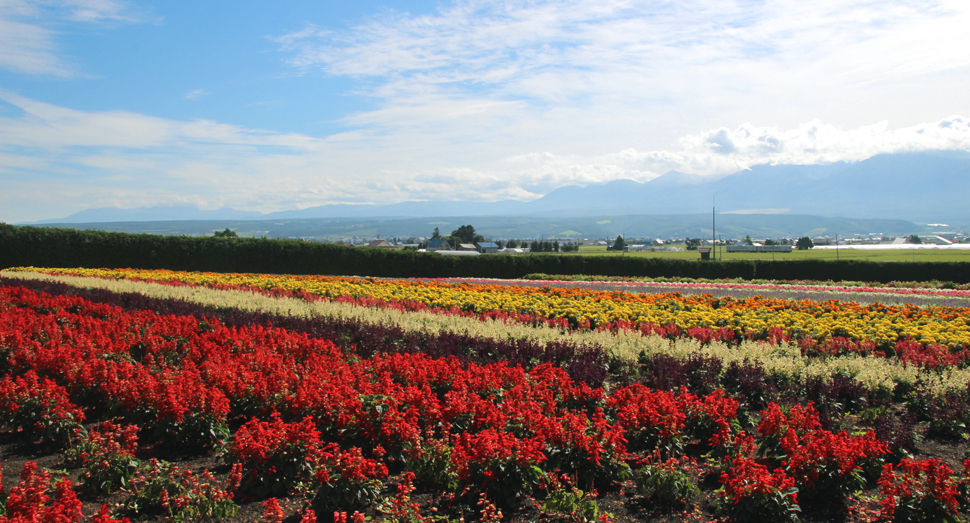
(631, 226)
(912, 186)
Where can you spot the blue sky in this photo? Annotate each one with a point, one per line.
(281, 105)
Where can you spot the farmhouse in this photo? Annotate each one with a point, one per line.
(488, 247)
(438, 244)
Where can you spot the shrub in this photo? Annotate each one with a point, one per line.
(107, 455)
(665, 484)
(430, 461)
(346, 480)
(39, 407)
(750, 493)
(918, 491)
(565, 499)
(275, 456)
(162, 488)
(499, 464)
(36, 498)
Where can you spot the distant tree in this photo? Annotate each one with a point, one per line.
(914, 238)
(500, 243)
(535, 246)
(770, 242)
(466, 233)
(692, 243)
(512, 244)
(436, 235)
(555, 246)
(619, 244)
(226, 234)
(747, 240)
(804, 243)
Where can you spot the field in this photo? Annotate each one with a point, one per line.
(919, 255)
(161, 395)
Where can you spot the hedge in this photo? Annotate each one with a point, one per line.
(53, 247)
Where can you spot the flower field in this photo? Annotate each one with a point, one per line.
(828, 326)
(336, 399)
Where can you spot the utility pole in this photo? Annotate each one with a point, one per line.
(714, 224)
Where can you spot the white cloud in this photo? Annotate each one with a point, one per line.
(58, 160)
(49, 126)
(28, 37)
(503, 43)
(593, 76)
(722, 150)
(195, 94)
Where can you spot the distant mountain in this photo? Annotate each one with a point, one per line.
(406, 209)
(157, 213)
(928, 187)
(499, 227)
(914, 186)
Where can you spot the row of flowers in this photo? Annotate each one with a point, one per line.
(331, 423)
(900, 288)
(933, 337)
(743, 370)
(861, 294)
(583, 354)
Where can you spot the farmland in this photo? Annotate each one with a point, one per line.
(893, 255)
(339, 398)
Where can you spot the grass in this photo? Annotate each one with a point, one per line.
(920, 255)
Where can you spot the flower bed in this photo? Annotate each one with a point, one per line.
(329, 424)
(934, 336)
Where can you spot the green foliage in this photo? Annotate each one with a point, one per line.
(466, 234)
(161, 488)
(107, 456)
(665, 486)
(804, 243)
(506, 481)
(228, 233)
(197, 432)
(775, 506)
(110, 473)
(431, 464)
(344, 494)
(619, 244)
(572, 502)
(35, 416)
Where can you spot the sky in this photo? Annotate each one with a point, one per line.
(270, 106)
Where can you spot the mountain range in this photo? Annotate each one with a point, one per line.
(919, 187)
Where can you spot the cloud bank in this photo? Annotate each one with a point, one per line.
(628, 70)
(55, 161)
